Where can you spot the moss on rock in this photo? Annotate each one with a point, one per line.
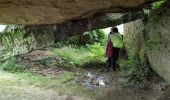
(12, 42)
(158, 41)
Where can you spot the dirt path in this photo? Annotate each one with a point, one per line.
(32, 93)
(11, 88)
(14, 86)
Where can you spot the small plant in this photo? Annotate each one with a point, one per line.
(124, 64)
(46, 61)
(138, 75)
(13, 65)
(137, 72)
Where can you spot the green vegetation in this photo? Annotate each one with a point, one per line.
(137, 73)
(155, 6)
(13, 43)
(83, 51)
(78, 57)
(17, 86)
(86, 50)
(158, 4)
(14, 65)
(90, 37)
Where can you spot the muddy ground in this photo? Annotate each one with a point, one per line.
(51, 82)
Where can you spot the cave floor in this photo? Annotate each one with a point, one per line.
(29, 86)
(54, 83)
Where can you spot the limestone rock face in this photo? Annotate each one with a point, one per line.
(58, 11)
(13, 42)
(158, 42)
(151, 40)
(134, 39)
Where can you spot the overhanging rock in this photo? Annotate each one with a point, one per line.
(59, 11)
(80, 26)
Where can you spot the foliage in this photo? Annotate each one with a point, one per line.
(137, 72)
(13, 65)
(86, 50)
(138, 75)
(90, 37)
(46, 61)
(7, 37)
(84, 56)
(97, 50)
(72, 57)
(124, 64)
(158, 4)
(13, 43)
(98, 36)
(59, 45)
(155, 6)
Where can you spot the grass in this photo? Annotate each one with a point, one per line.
(80, 57)
(72, 53)
(14, 65)
(15, 86)
(71, 57)
(30, 86)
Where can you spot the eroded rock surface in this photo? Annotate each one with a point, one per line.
(58, 11)
(158, 42)
(154, 42)
(134, 39)
(14, 43)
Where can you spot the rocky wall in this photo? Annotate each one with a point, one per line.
(134, 39)
(13, 42)
(151, 39)
(158, 41)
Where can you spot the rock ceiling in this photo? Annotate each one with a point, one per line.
(33, 12)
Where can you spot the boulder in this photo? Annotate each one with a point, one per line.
(158, 42)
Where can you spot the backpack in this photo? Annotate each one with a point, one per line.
(117, 40)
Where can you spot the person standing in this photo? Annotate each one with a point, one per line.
(115, 43)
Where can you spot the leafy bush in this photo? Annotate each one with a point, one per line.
(158, 4)
(124, 64)
(13, 65)
(84, 56)
(98, 36)
(138, 75)
(97, 50)
(137, 72)
(90, 37)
